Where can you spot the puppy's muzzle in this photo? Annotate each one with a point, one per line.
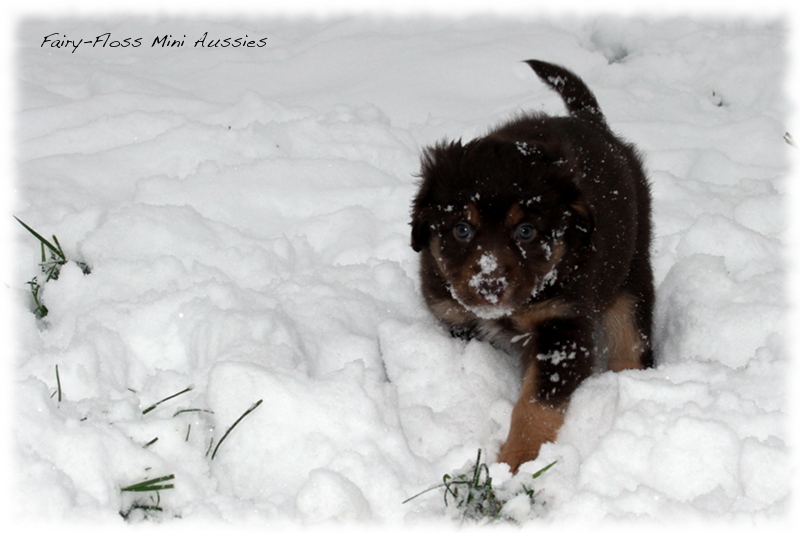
(489, 280)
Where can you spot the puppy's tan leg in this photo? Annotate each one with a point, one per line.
(532, 424)
(625, 342)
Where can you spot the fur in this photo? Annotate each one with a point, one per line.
(536, 238)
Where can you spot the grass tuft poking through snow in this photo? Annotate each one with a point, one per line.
(150, 506)
(50, 268)
(476, 499)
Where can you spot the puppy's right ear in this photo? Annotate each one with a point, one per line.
(420, 217)
(420, 233)
(442, 164)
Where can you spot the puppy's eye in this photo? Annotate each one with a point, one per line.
(463, 231)
(525, 232)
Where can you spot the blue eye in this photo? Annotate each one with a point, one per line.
(525, 232)
(463, 231)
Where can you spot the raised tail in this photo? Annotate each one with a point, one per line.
(579, 100)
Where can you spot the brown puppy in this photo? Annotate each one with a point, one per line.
(536, 238)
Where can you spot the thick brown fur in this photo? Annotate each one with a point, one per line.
(536, 238)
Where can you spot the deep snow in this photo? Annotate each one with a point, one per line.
(245, 211)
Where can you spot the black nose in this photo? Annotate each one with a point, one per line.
(490, 288)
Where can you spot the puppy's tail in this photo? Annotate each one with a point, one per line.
(579, 100)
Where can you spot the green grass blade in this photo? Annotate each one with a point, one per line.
(151, 485)
(543, 470)
(440, 485)
(252, 408)
(184, 391)
(193, 410)
(210, 445)
(44, 241)
(60, 250)
(58, 382)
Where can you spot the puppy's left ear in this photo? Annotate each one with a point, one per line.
(582, 219)
(584, 216)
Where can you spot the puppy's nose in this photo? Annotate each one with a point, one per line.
(489, 281)
(491, 289)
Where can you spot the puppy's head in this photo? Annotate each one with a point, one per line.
(498, 222)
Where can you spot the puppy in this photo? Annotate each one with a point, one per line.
(536, 238)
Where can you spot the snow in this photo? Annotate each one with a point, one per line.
(245, 216)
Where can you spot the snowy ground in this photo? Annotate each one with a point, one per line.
(245, 216)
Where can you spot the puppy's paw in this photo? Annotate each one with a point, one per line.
(532, 424)
(515, 454)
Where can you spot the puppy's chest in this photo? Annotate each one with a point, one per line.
(515, 332)
(502, 335)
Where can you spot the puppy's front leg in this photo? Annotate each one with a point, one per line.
(556, 363)
(533, 422)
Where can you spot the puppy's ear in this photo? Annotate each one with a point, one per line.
(439, 166)
(420, 232)
(420, 213)
(421, 210)
(580, 211)
(571, 195)
(584, 215)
